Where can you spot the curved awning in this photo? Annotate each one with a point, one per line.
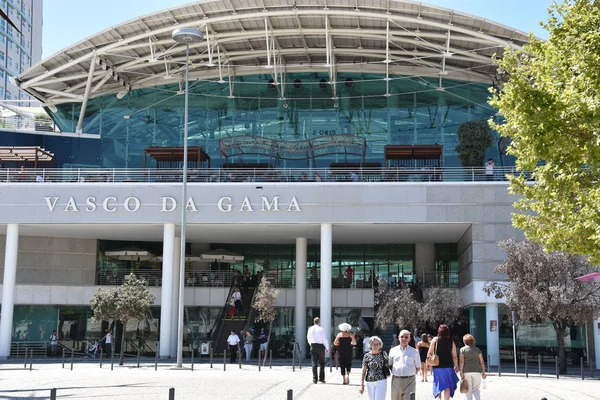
(247, 37)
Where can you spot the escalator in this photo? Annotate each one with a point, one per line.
(225, 325)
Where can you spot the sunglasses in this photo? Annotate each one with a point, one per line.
(404, 337)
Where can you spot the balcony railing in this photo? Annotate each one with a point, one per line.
(315, 175)
(279, 279)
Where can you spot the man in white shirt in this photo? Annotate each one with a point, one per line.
(366, 347)
(404, 364)
(233, 341)
(319, 345)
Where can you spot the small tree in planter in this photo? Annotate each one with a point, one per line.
(401, 307)
(131, 300)
(264, 304)
(474, 139)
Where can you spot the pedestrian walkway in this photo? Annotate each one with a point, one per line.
(88, 381)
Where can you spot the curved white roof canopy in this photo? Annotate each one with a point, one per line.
(249, 37)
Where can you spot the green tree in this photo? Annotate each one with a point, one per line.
(551, 103)
(542, 284)
(474, 137)
(132, 300)
(264, 304)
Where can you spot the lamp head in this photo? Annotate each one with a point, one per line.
(186, 35)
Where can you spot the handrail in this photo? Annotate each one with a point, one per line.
(221, 321)
(224, 175)
(251, 310)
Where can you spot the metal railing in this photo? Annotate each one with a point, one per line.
(207, 278)
(20, 123)
(314, 175)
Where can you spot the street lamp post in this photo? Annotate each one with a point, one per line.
(186, 36)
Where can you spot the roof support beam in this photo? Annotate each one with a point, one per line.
(86, 96)
(261, 14)
(101, 82)
(60, 94)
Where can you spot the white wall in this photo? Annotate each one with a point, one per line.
(211, 297)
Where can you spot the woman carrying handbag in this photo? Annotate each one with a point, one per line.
(444, 361)
(375, 371)
(472, 368)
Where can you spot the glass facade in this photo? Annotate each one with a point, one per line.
(393, 262)
(401, 110)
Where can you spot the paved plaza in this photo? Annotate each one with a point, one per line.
(88, 381)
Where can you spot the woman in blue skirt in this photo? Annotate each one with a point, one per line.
(444, 375)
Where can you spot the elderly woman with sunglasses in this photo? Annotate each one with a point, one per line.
(374, 370)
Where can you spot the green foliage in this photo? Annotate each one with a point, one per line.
(551, 103)
(474, 138)
(131, 300)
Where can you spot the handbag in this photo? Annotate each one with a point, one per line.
(464, 386)
(385, 369)
(434, 359)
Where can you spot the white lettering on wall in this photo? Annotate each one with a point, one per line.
(136, 204)
(246, 206)
(71, 206)
(91, 204)
(224, 207)
(169, 204)
(272, 206)
(190, 205)
(51, 202)
(294, 205)
(105, 204)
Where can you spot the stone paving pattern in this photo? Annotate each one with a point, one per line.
(88, 381)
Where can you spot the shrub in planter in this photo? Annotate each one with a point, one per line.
(474, 138)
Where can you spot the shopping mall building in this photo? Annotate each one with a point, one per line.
(322, 139)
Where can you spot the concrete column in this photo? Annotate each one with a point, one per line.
(326, 250)
(8, 289)
(596, 329)
(493, 333)
(425, 261)
(175, 308)
(166, 291)
(300, 311)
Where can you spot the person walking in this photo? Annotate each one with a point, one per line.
(444, 374)
(319, 346)
(423, 348)
(343, 343)
(237, 300)
(405, 363)
(365, 343)
(374, 370)
(233, 342)
(472, 367)
(262, 339)
(395, 341)
(53, 343)
(107, 342)
(248, 344)
(489, 169)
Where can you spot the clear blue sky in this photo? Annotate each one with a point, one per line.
(68, 21)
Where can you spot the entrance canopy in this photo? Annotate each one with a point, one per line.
(30, 156)
(593, 277)
(413, 156)
(172, 157)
